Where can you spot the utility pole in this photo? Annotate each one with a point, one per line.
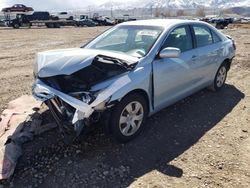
(151, 10)
(89, 12)
(111, 12)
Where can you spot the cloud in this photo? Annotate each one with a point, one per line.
(50, 4)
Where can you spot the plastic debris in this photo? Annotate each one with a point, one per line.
(19, 124)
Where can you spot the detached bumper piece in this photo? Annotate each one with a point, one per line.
(66, 129)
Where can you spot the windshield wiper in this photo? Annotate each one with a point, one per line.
(120, 62)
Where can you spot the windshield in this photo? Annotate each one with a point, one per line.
(131, 40)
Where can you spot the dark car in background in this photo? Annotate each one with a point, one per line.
(2, 23)
(86, 22)
(41, 15)
(222, 23)
(18, 8)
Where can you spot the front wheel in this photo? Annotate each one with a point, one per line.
(128, 117)
(220, 78)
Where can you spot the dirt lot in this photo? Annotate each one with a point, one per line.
(202, 141)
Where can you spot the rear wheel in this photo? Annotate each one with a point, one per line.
(16, 26)
(220, 78)
(57, 25)
(128, 117)
(50, 25)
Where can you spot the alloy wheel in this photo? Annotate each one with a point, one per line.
(131, 118)
(221, 76)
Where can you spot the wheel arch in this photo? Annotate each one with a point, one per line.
(143, 93)
(111, 116)
(227, 63)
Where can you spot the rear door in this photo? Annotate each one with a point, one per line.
(209, 52)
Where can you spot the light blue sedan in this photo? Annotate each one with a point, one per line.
(130, 72)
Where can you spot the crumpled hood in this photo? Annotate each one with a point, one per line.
(68, 61)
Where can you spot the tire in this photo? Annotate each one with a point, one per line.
(16, 26)
(57, 25)
(50, 25)
(220, 78)
(124, 130)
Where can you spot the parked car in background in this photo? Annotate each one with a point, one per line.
(245, 20)
(64, 16)
(130, 72)
(41, 15)
(82, 17)
(221, 23)
(124, 18)
(2, 23)
(86, 22)
(18, 8)
(104, 20)
(229, 20)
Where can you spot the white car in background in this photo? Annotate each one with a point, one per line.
(64, 16)
(107, 20)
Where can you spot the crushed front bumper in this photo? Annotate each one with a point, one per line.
(82, 110)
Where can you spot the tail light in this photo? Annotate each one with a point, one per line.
(233, 42)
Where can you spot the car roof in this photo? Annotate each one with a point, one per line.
(166, 23)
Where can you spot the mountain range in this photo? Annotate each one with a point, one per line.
(176, 4)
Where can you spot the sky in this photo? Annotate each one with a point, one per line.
(53, 4)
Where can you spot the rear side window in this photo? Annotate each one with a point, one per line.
(203, 36)
(216, 38)
(180, 38)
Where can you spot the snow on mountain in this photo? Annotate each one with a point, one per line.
(178, 4)
(118, 5)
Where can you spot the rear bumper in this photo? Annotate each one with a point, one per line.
(230, 63)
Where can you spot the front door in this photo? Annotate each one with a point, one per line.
(175, 78)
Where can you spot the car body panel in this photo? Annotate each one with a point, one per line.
(175, 76)
(68, 61)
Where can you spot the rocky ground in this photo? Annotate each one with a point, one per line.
(202, 141)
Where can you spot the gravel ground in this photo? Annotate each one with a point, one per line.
(201, 141)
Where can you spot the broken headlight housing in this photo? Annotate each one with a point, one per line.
(86, 97)
(41, 93)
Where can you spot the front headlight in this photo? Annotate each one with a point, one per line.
(86, 97)
(41, 93)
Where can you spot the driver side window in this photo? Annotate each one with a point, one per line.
(179, 38)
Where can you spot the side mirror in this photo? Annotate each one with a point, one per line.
(170, 52)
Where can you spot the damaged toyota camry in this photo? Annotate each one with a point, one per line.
(130, 72)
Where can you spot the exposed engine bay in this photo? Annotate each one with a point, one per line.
(102, 68)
